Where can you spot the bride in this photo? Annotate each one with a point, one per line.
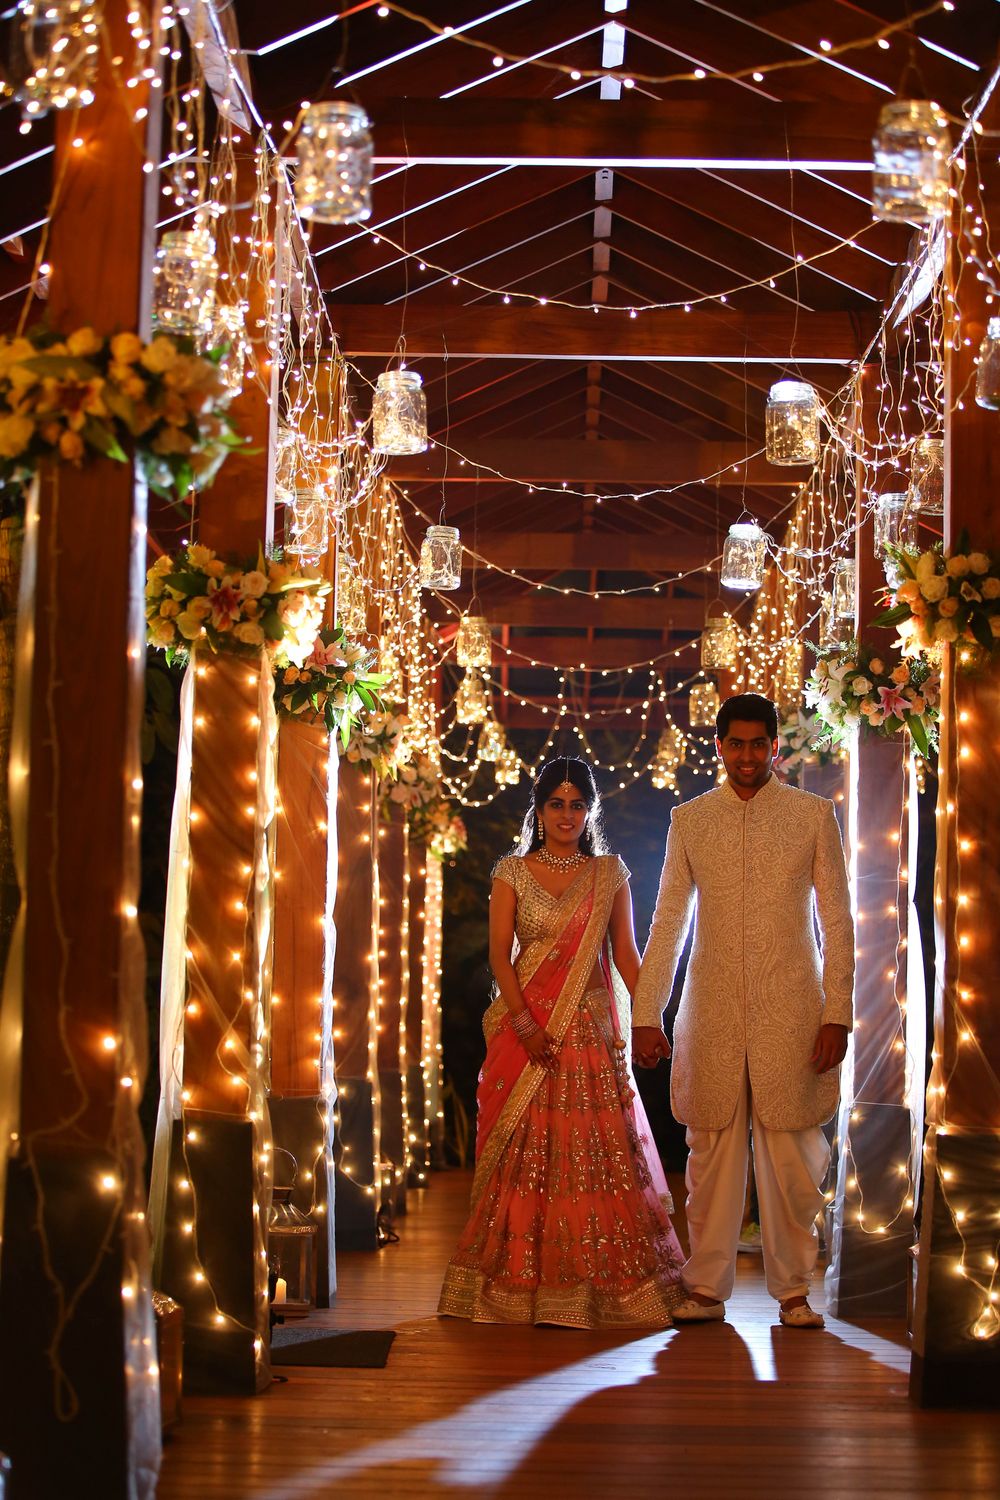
(569, 1219)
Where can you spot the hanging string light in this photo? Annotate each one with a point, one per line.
(334, 181)
(508, 767)
(703, 705)
(911, 147)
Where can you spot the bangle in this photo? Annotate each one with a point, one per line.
(524, 1024)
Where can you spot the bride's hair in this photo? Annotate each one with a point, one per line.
(551, 776)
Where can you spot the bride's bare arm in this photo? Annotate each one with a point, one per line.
(621, 930)
(503, 904)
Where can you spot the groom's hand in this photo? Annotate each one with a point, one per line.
(830, 1049)
(649, 1044)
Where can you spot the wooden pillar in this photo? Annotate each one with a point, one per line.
(393, 896)
(956, 1336)
(302, 984)
(871, 1217)
(355, 990)
(79, 1388)
(211, 1190)
(419, 1142)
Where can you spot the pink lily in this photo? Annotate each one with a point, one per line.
(226, 606)
(892, 702)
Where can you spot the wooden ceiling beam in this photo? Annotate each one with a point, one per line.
(568, 333)
(618, 551)
(687, 132)
(569, 650)
(542, 461)
(574, 611)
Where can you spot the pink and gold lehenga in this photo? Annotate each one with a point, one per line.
(569, 1218)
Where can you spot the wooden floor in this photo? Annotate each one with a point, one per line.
(741, 1409)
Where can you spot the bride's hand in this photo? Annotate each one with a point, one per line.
(541, 1050)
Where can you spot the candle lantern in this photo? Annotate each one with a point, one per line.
(184, 278)
(474, 642)
(441, 558)
(895, 526)
(845, 593)
(291, 1255)
(925, 496)
(492, 741)
(53, 56)
(399, 413)
(334, 180)
(703, 705)
(508, 769)
(911, 145)
(743, 556)
(471, 704)
(720, 642)
(792, 423)
(988, 373)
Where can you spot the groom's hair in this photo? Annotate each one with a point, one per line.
(752, 708)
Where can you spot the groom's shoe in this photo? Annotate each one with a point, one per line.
(690, 1311)
(802, 1316)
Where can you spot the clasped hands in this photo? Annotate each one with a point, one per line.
(541, 1050)
(649, 1044)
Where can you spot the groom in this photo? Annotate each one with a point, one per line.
(764, 1015)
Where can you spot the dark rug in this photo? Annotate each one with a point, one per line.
(360, 1348)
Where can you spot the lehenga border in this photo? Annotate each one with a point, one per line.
(467, 1293)
(530, 1078)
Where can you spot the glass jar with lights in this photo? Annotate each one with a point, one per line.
(508, 767)
(744, 554)
(830, 633)
(333, 184)
(988, 369)
(184, 278)
(895, 528)
(492, 741)
(792, 423)
(54, 50)
(399, 413)
(471, 700)
(845, 594)
(911, 146)
(925, 496)
(228, 333)
(441, 558)
(474, 642)
(307, 527)
(720, 641)
(703, 705)
(663, 777)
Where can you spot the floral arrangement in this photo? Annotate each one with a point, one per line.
(417, 785)
(380, 742)
(852, 686)
(62, 398)
(197, 599)
(443, 832)
(946, 599)
(334, 686)
(800, 743)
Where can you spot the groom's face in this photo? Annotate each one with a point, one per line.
(747, 754)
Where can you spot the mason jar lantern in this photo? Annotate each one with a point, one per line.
(399, 413)
(492, 741)
(988, 371)
(184, 278)
(744, 553)
(703, 705)
(441, 558)
(925, 496)
(895, 526)
(333, 184)
(792, 423)
(911, 146)
(845, 593)
(720, 643)
(471, 702)
(474, 642)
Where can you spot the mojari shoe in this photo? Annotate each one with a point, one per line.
(799, 1317)
(690, 1311)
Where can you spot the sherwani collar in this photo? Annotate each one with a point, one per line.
(767, 791)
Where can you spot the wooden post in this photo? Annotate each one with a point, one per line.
(302, 982)
(419, 1144)
(393, 891)
(871, 1216)
(956, 1336)
(81, 1397)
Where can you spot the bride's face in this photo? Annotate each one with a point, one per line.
(564, 815)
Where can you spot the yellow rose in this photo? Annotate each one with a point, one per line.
(200, 607)
(71, 446)
(133, 388)
(15, 435)
(900, 675)
(189, 627)
(876, 666)
(161, 567)
(171, 440)
(169, 609)
(198, 556)
(948, 607)
(253, 584)
(926, 566)
(249, 633)
(13, 351)
(216, 568)
(945, 630)
(251, 609)
(126, 348)
(958, 565)
(159, 356)
(51, 432)
(291, 675)
(83, 343)
(979, 563)
(174, 410)
(162, 632)
(934, 588)
(990, 588)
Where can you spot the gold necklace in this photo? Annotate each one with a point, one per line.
(560, 862)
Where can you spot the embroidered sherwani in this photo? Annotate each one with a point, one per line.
(757, 876)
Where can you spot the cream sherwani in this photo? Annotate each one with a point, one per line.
(756, 874)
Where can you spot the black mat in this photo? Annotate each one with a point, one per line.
(360, 1348)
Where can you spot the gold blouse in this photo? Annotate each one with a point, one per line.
(536, 917)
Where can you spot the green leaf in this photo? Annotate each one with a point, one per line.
(62, 367)
(981, 629)
(187, 584)
(103, 440)
(918, 735)
(894, 616)
(271, 625)
(183, 477)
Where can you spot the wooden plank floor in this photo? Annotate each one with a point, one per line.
(745, 1408)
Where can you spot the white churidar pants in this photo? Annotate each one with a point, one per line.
(789, 1166)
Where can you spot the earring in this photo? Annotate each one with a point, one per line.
(541, 831)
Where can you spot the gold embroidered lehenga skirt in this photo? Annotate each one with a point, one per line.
(571, 1223)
